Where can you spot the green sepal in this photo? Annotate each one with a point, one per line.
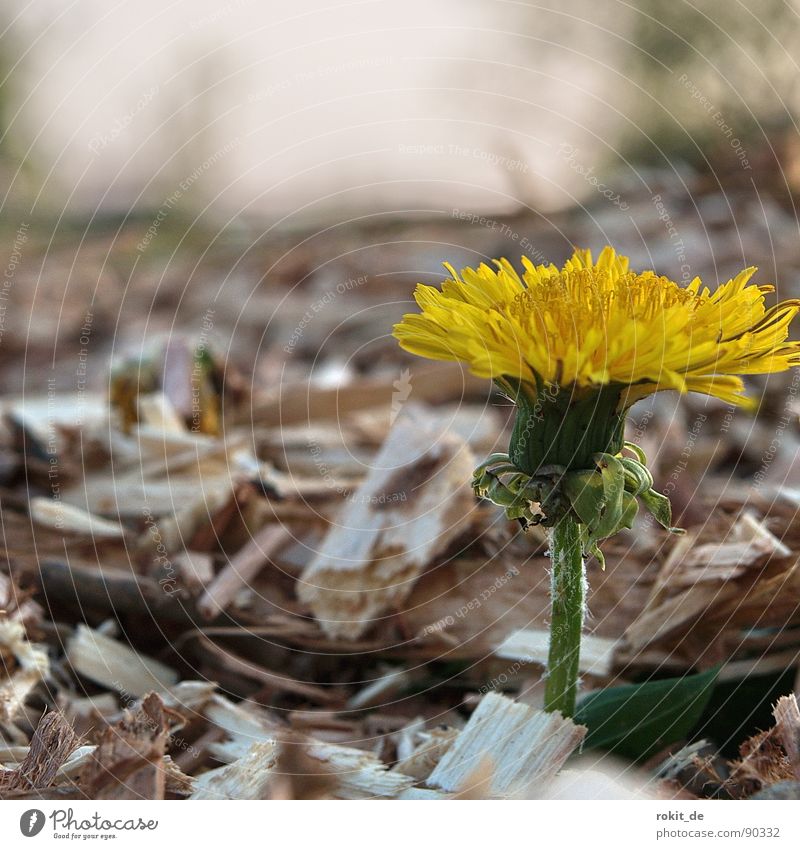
(599, 500)
(611, 511)
(635, 449)
(590, 547)
(660, 508)
(637, 476)
(630, 507)
(585, 493)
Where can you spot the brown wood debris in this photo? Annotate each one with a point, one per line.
(52, 743)
(128, 762)
(413, 503)
(303, 576)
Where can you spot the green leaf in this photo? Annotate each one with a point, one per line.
(638, 720)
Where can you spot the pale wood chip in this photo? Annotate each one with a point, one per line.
(242, 569)
(352, 773)
(421, 762)
(532, 646)
(72, 520)
(22, 666)
(787, 729)
(527, 748)
(110, 663)
(415, 500)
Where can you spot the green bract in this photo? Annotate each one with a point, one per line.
(601, 498)
(565, 427)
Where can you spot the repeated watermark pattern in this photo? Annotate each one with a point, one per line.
(569, 153)
(504, 230)
(10, 271)
(674, 237)
(718, 119)
(99, 141)
(511, 164)
(318, 305)
(169, 204)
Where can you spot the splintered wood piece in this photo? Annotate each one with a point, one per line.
(787, 729)
(382, 689)
(51, 745)
(532, 646)
(281, 683)
(352, 773)
(527, 748)
(17, 605)
(252, 752)
(416, 499)
(677, 612)
(770, 757)
(750, 543)
(196, 569)
(112, 664)
(242, 725)
(242, 569)
(128, 763)
(72, 520)
(423, 759)
(22, 666)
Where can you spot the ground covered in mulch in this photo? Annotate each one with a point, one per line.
(242, 559)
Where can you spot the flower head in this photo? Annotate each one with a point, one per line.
(595, 324)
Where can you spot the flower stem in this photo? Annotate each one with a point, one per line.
(568, 593)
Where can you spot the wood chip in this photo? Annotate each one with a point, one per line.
(421, 762)
(24, 665)
(72, 520)
(112, 664)
(413, 503)
(196, 569)
(527, 748)
(280, 683)
(532, 646)
(128, 763)
(355, 774)
(787, 730)
(52, 743)
(242, 569)
(381, 689)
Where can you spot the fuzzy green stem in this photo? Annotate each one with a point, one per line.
(568, 591)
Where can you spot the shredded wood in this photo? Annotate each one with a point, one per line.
(526, 749)
(416, 499)
(107, 661)
(24, 665)
(52, 744)
(529, 646)
(300, 569)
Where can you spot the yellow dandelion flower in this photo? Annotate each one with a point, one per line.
(574, 348)
(596, 323)
(600, 333)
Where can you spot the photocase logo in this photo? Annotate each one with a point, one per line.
(31, 822)
(402, 390)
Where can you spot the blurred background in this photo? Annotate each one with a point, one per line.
(212, 215)
(141, 141)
